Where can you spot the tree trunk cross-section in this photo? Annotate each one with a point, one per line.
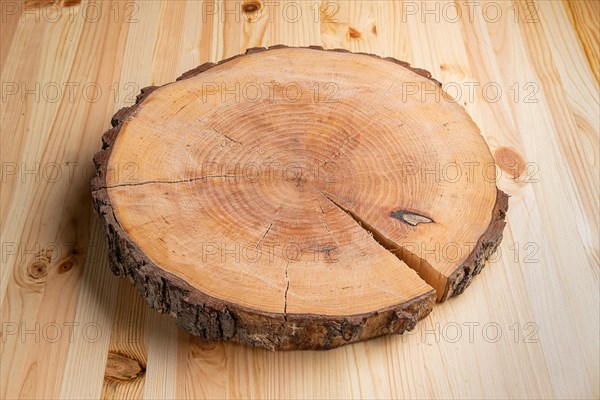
(298, 198)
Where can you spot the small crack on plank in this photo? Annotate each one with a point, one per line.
(376, 235)
(167, 182)
(325, 224)
(399, 251)
(268, 229)
(227, 137)
(285, 295)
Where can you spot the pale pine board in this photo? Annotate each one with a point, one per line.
(553, 300)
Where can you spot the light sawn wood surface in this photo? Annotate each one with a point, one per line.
(527, 327)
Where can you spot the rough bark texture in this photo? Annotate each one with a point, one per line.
(485, 247)
(215, 319)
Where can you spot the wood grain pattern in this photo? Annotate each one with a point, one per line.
(587, 30)
(63, 312)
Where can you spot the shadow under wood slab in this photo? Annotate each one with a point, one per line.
(298, 198)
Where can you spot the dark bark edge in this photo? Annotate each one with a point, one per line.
(487, 244)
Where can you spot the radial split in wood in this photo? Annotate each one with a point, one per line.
(298, 198)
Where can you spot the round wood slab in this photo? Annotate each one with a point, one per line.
(298, 198)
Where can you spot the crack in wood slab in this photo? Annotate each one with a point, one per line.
(285, 294)
(227, 137)
(200, 178)
(268, 229)
(399, 252)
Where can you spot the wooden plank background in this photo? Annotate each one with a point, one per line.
(528, 327)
